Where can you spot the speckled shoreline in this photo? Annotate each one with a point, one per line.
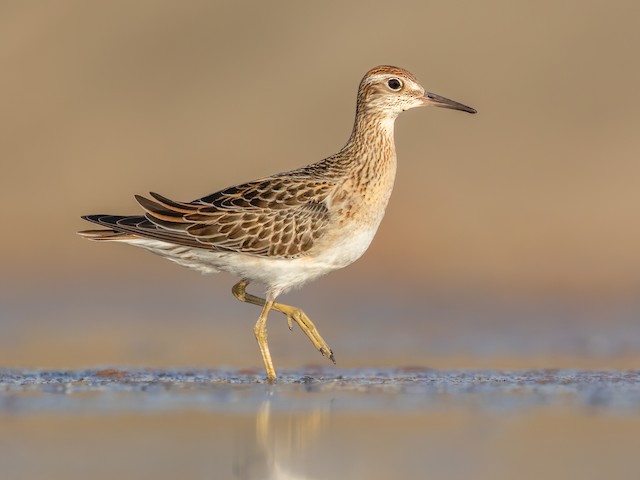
(409, 389)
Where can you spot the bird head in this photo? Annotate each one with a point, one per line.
(387, 91)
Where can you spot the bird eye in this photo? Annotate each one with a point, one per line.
(394, 84)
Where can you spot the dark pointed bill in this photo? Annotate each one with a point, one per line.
(438, 101)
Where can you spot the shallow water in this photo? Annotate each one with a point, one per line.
(316, 423)
(505, 418)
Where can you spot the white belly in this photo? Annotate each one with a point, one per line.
(279, 274)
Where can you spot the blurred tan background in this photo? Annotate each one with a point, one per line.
(535, 198)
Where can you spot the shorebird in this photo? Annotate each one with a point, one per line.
(289, 228)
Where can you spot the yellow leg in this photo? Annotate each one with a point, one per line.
(260, 331)
(292, 313)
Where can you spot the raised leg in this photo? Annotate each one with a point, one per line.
(292, 313)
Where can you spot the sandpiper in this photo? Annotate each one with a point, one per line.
(289, 228)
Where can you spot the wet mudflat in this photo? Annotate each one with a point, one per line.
(317, 423)
(403, 390)
(486, 408)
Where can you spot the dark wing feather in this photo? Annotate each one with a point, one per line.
(271, 193)
(135, 226)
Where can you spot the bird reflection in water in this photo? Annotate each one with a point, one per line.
(283, 440)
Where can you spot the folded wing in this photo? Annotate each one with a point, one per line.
(271, 217)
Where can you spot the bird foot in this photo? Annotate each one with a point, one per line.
(306, 325)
